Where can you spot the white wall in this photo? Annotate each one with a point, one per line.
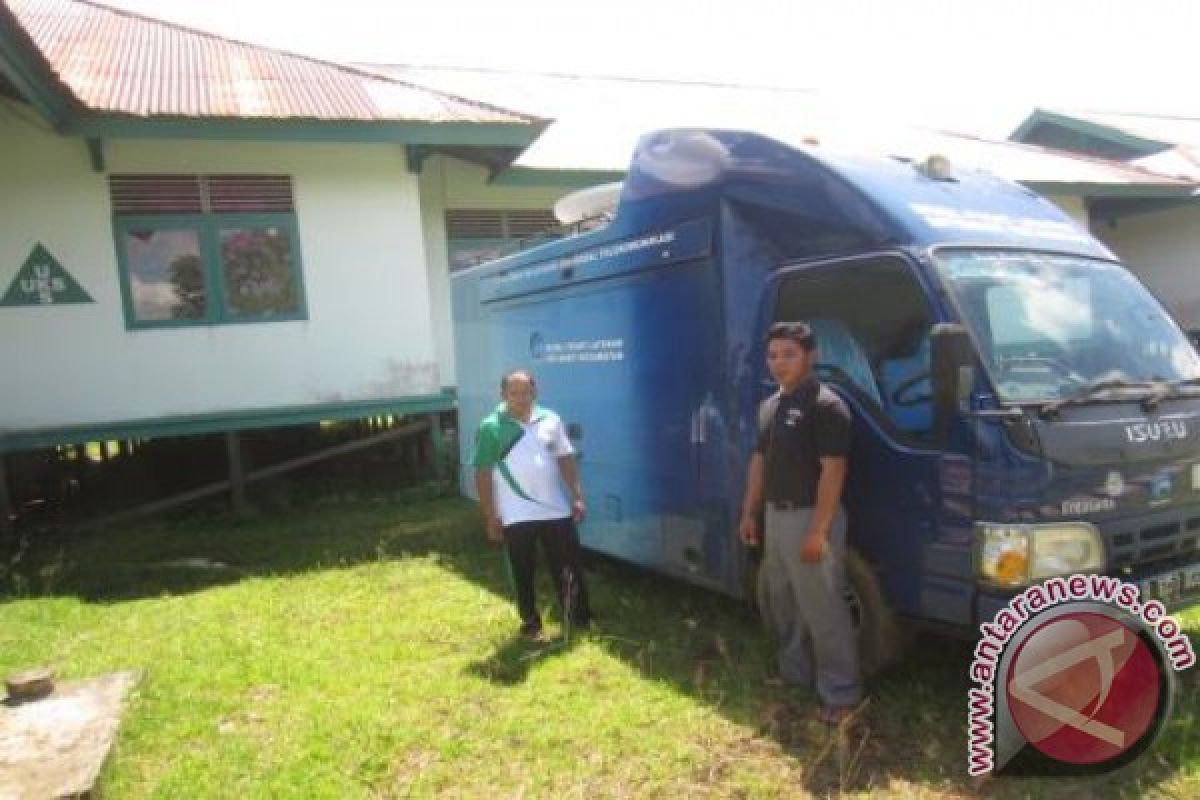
(447, 183)
(369, 334)
(1163, 248)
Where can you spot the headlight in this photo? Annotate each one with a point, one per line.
(1004, 554)
(1017, 555)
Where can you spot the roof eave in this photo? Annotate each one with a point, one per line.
(1098, 190)
(569, 178)
(1113, 208)
(409, 132)
(1115, 135)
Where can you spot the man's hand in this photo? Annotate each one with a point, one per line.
(814, 548)
(495, 531)
(748, 529)
(492, 528)
(569, 471)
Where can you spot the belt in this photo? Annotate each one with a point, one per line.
(787, 505)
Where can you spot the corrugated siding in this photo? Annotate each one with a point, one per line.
(119, 62)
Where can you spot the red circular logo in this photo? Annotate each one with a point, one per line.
(1083, 688)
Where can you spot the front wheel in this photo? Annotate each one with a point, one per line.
(882, 638)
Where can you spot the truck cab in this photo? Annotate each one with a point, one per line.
(1023, 407)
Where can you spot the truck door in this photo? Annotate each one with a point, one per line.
(872, 321)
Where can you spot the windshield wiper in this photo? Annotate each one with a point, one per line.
(1089, 392)
(1169, 389)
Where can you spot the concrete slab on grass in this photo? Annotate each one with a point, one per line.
(55, 747)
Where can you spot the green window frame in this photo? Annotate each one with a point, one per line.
(219, 307)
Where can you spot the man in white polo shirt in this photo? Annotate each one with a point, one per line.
(522, 461)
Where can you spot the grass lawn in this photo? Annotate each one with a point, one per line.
(363, 647)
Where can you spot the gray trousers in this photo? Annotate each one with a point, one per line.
(805, 607)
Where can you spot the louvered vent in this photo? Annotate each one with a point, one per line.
(156, 194)
(232, 194)
(474, 225)
(490, 224)
(530, 223)
(198, 194)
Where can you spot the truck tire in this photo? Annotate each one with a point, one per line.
(882, 638)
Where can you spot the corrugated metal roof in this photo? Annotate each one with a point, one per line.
(118, 62)
(560, 96)
(599, 120)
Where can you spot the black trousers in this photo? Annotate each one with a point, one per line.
(560, 543)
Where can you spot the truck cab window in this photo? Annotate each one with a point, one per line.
(1049, 325)
(872, 324)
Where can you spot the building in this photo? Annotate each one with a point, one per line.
(1159, 237)
(203, 235)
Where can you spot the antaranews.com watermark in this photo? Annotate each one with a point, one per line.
(1086, 685)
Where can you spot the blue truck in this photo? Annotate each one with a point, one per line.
(1023, 406)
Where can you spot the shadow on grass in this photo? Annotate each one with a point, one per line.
(509, 665)
(910, 736)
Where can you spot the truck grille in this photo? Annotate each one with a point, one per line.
(1144, 543)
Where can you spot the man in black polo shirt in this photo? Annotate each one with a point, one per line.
(796, 476)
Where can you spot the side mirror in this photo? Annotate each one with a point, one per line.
(952, 371)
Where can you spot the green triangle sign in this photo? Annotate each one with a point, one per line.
(42, 281)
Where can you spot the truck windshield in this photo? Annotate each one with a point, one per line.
(1050, 326)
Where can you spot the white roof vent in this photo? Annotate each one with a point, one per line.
(595, 202)
(937, 167)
